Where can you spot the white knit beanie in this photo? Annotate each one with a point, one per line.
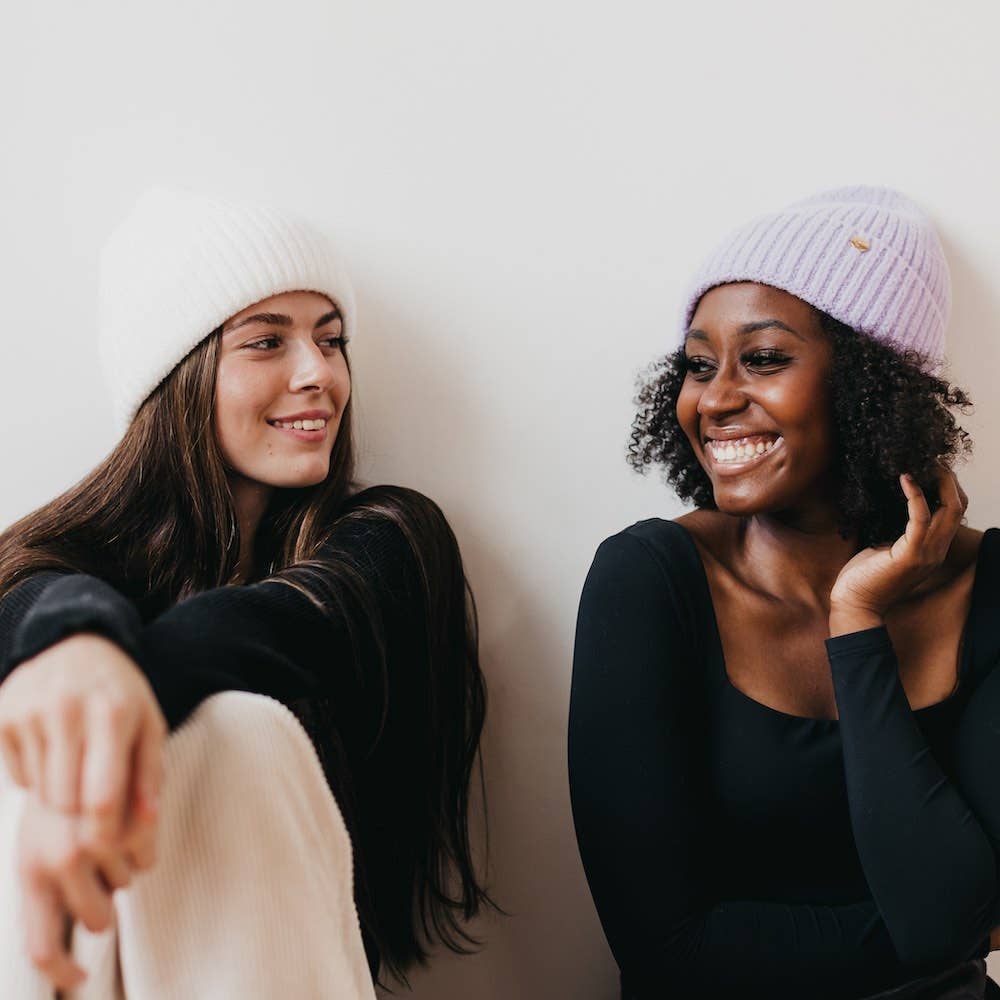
(181, 264)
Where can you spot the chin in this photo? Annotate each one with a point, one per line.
(296, 479)
(303, 481)
(745, 505)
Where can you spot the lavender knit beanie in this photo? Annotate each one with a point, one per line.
(868, 256)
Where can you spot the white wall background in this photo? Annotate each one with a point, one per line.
(521, 190)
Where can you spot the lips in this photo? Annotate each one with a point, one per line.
(740, 454)
(311, 433)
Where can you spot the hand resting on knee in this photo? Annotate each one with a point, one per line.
(81, 730)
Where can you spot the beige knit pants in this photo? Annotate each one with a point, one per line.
(251, 896)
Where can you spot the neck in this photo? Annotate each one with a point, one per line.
(796, 559)
(251, 500)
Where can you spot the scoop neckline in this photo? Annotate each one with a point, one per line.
(716, 639)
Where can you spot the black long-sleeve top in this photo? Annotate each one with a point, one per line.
(270, 638)
(732, 849)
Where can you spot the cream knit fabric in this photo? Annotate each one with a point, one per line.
(252, 893)
(180, 264)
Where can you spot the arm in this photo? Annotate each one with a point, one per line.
(927, 859)
(977, 764)
(267, 637)
(272, 639)
(76, 711)
(50, 606)
(67, 634)
(635, 743)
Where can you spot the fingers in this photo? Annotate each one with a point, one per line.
(45, 927)
(32, 753)
(918, 513)
(10, 746)
(64, 743)
(147, 770)
(115, 869)
(949, 515)
(105, 775)
(139, 837)
(87, 897)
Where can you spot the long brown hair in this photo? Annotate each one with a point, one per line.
(156, 519)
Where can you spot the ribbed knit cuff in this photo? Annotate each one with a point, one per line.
(72, 604)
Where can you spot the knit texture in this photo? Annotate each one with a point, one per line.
(868, 256)
(252, 892)
(181, 264)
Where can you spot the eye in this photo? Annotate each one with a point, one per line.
(264, 344)
(765, 358)
(335, 341)
(698, 368)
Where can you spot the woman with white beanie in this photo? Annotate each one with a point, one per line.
(783, 741)
(217, 608)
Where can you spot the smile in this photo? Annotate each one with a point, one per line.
(732, 457)
(314, 432)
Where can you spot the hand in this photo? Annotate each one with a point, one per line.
(877, 578)
(64, 880)
(80, 726)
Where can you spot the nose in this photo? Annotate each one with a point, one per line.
(311, 369)
(722, 395)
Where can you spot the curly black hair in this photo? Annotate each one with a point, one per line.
(892, 415)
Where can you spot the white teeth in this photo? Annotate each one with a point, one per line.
(301, 425)
(740, 451)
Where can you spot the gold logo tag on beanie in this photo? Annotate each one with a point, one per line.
(860, 243)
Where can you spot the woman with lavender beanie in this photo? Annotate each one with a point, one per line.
(783, 738)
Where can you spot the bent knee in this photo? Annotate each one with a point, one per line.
(250, 749)
(241, 726)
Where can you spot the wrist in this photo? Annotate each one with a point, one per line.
(845, 619)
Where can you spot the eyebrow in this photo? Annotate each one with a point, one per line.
(747, 328)
(280, 319)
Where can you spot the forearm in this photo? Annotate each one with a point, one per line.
(49, 607)
(790, 950)
(926, 858)
(779, 949)
(645, 868)
(266, 639)
(977, 764)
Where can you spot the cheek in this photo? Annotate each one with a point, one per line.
(342, 386)
(240, 396)
(687, 411)
(240, 399)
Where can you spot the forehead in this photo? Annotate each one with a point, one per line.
(304, 307)
(728, 307)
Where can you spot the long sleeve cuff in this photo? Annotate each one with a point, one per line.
(68, 605)
(842, 649)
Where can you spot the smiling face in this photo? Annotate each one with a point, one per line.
(756, 402)
(281, 387)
